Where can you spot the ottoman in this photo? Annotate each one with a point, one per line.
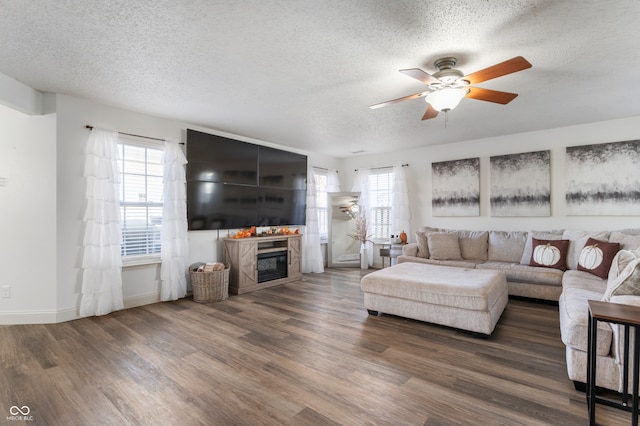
(468, 299)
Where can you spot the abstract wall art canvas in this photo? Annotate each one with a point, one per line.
(456, 188)
(603, 179)
(521, 184)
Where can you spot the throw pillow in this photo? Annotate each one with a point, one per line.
(444, 246)
(578, 241)
(541, 235)
(623, 267)
(423, 245)
(630, 286)
(596, 257)
(549, 253)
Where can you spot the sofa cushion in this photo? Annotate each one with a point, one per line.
(506, 246)
(629, 231)
(423, 245)
(528, 245)
(550, 253)
(474, 244)
(627, 242)
(469, 264)
(444, 246)
(578, 239)
(596, 257)
(584, 280)
(574, 314)
(518, 273)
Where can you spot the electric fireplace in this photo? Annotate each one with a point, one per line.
(272, 266)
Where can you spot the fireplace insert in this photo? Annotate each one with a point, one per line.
(272, 266)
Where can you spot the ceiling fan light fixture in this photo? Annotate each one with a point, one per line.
(445, 99)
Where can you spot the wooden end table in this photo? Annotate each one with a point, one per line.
(628, 316)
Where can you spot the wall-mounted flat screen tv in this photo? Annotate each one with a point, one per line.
(234, 184)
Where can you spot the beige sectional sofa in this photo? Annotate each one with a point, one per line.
(570, 282)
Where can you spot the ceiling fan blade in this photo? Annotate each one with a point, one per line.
(395, 101)
(503, 68)
(430, 113)
(420, 75)
(490, 95)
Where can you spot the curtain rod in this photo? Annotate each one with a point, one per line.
(321, 168)
(137, 136)
(385, 167)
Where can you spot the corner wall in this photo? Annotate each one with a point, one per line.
(27, 216)
(555, 140)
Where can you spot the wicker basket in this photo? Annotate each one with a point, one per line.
(210, 286)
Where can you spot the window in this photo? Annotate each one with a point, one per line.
(320, 179)
(380, 181)
(140, 199)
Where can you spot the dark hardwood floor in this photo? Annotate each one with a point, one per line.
(302, 353)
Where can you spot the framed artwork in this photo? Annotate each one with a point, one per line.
(603, 179)
(521, 184)
(456, 187)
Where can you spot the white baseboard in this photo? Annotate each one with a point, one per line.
(68, 314)
(141, 300)
(28, 317)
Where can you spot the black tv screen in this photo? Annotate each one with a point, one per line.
(280, 207)
(212, 205)
(281, 169)
(215, 158)
(233, 184)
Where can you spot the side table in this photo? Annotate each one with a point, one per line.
(385, 252)
(627, 316)
(396, 250)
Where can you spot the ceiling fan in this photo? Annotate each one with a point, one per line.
(449, 85)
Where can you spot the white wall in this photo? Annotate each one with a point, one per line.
(555, 140)
(141, 284)
(27, 216)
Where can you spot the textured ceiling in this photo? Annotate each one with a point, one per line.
(302, 73)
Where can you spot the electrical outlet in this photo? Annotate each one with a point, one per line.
(6, 292)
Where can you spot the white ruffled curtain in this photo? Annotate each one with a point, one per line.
(312, 252)
(333, 181)
(175, 244)
(361, 185)
(101, 260)
(400, 215)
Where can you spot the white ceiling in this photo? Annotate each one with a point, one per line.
(302, 73)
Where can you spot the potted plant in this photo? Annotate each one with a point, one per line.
(361, 234)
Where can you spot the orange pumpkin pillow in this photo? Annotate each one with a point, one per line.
(549, 253)
(596, 257)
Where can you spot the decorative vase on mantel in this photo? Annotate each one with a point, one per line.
(364, 256)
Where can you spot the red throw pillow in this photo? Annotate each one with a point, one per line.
(596, 257)
(549, 253)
